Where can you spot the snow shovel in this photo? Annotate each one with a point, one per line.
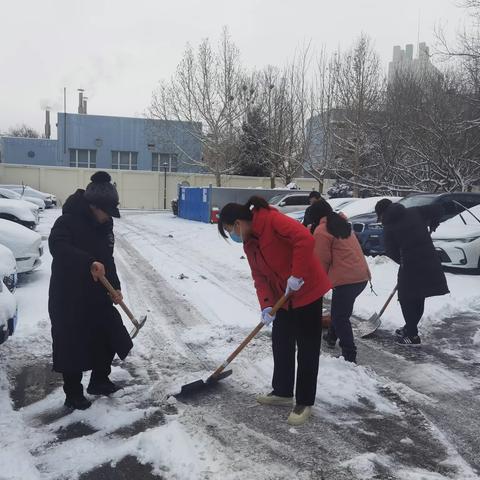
(138, 324)
(375, 321)
(219, 373)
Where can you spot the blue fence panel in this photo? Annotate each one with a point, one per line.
(194, 203)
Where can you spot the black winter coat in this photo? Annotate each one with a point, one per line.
(81, 311)
(408, 242)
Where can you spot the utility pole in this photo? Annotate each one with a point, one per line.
(165, 166)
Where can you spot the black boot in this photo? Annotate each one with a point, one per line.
(102, 387)
(349, 356)
(77, 402)
(330, 337)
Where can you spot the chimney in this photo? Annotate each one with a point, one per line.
(48, 130)
(80, 100)
(85, 105)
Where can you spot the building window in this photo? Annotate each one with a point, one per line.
(83, 158)
(124, 160)
(160, 159)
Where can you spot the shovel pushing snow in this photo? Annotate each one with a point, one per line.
(219, 373)
(375, 321)
(138, 324)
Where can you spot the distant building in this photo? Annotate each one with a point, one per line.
(403, 61)
(97, 141)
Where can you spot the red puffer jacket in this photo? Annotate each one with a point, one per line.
(279, 247)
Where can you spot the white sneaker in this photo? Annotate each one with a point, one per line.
(299, 415)
(271, 399)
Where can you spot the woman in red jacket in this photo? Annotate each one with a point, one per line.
(280, 254)
(340, 254)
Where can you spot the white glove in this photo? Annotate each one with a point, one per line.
(293, 284)
(267, 319)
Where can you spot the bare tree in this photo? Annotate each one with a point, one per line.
(210, 94)
(23, 131)
(357, 102)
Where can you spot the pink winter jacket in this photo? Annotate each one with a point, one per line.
(342, 259)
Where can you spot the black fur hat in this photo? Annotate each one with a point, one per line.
(102, 194)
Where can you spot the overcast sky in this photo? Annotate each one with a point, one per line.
(119, 49)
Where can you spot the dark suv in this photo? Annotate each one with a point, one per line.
(370, 233)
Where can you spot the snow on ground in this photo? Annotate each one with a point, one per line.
(197, 291)
(463, 297)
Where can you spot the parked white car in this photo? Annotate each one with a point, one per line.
(336, 203)
(8, 313)
(19, 211)
(363, 206)
(457, 240)
(25, 244)
(49, 199)
(290, 202)
(8, 268)
(12, 195)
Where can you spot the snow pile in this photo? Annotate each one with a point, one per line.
(343, 384)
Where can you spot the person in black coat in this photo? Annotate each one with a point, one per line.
(313, 198)
(87, 330)
(408, 243)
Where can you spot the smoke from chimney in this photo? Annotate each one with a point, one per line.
(48, 130)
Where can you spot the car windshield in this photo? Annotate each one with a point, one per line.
(274, 200)
(10, 193)
(418, 200)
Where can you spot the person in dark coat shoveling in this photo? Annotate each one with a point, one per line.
(87, 330)
(408, 243)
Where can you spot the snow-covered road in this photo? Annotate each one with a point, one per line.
(400, 414)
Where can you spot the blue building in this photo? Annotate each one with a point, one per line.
(97, 141)
(28, 151)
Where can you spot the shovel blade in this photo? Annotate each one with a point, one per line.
(371, 325)
(135, 330)
(214, 379)
(193, 387)
(190, 388)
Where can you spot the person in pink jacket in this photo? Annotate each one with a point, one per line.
(340, 253)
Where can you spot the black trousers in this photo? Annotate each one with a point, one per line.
(343, 299)
(297, 329)
(102, 367)
(412, 309)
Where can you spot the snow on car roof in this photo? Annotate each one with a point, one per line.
(364, 205)
(17, 208)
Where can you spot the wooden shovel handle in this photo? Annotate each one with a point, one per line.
(389, 299)
(112, 292)
(247, 340)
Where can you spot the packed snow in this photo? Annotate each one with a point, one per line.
(197, 291)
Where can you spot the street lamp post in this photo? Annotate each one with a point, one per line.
(165, 166)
